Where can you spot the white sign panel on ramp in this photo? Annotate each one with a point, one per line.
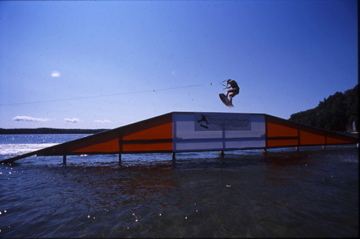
(216, 121)
(217, 131)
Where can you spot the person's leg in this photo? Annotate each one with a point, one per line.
(227, 93)
(231, 95)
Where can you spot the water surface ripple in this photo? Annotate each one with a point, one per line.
(283, 193)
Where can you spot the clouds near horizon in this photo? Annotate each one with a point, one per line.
(68, 120)
(72, 120)
(103, 121)
(29, 119)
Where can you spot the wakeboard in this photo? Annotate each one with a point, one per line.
(225, 100)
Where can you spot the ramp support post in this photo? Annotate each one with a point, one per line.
(222, 153)
(173, 155)
(64, 159)
(120, 150)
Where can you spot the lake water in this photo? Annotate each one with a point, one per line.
(284, 193)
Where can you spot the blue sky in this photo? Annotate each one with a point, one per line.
(105, 64)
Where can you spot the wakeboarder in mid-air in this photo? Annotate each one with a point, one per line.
(234, 90)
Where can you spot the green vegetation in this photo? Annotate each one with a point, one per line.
(336, 113)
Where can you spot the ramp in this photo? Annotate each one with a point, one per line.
(197, 131)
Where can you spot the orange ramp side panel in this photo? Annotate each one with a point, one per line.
(282, 142)
(276, 130)
(280, 133)
(162, 131)
(149, 136)
(111, 146)
(340, 139)
(147, 147)
(105, 142)
(314, 136)
(311, 138)
(152, 135)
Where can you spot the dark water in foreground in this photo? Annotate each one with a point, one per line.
(311, 193)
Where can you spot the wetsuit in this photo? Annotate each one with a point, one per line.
(235, 88)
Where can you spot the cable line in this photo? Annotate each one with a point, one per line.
(98, 96)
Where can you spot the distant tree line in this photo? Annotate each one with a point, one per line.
(50, 131)
(336, 113)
